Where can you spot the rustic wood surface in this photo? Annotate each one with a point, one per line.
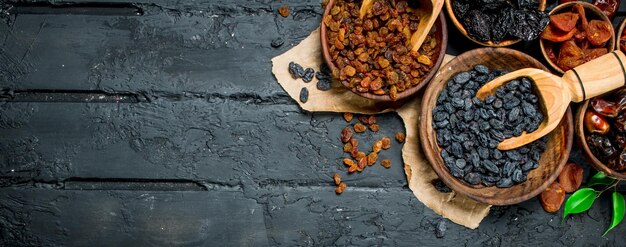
(159, 123)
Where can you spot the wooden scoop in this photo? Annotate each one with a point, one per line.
(591, 79)
(427, 19)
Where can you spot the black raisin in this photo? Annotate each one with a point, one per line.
(277, 42)
(304, 95)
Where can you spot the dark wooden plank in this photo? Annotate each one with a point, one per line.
(215, 140)
(42, 217)
(222, 47)
(276, 215)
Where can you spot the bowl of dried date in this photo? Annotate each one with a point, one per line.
(601, 132)
(578, 32)
(498, 23)
(460, 133)
(371, 56)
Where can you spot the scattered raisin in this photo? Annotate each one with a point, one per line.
(371, 158)
(386, 163)
(354, 142)
(309, 73)
(400, 137)
(359, 128)
(353, 169)
(347, 147)
(346, 134)
(304, 95)
(337, 179)
(284, 11)
(374, 127)
(362, 162)
(348, 116)
(348, 162)
(341, 187)
(378, 145)
(386, 143)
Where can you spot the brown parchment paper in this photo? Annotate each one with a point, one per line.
(308, 53)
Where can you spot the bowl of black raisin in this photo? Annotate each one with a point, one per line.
(460, 133)
(498, 23)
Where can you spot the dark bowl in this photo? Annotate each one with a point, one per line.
(441, 34)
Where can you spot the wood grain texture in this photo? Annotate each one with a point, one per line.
(427, 19)
(551, 162)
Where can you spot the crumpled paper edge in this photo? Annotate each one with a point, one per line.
(420, 175)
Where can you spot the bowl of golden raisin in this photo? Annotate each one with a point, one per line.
(371, 56)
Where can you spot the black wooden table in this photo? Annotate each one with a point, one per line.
(160, 123)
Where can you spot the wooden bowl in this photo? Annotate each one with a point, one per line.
(589, 156)
(552, 160)
(441, 34)
(505, 42)
(619, 34)
(592, 12)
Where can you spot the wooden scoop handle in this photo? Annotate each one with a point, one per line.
(597, 76)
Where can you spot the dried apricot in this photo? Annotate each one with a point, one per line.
(571, 177)
(552, 198)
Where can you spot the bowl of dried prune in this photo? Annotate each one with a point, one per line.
(578, 32)
(601, 132)
(372, 56)
(460, 133)
(498, 23)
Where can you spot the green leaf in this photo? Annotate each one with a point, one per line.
(618, 211)
(600, 179)
(580, 201)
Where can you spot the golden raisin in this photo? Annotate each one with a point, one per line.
(284, 11)
(393, 93)
(386, 163)
(348, 116)
(400, 137)
(349, 70)
(371, 158)
(360, 155)
(378, 145)
(374, 127)
(354, 142)
(353, 168)
(362, 162)
(346, 134)
(354, 151)
(347, 147)
(341, 187)
(386, 143)
(359, 128)
(348, 162)
(337, 179)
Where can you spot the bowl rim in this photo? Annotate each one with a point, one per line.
(596, 11)
(581, 136)
(462, 187)
(442, 28)
(459, 26)
(620, 30)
